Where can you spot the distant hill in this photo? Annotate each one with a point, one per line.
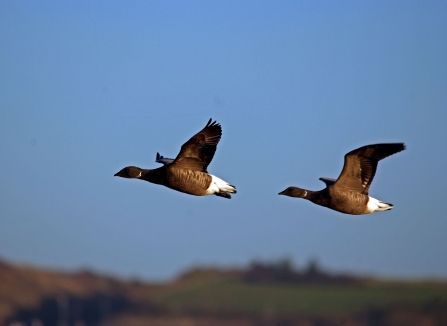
(260, 294)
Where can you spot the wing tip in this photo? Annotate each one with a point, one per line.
(212, 123)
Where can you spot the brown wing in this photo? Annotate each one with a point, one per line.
(197, 153)
(361, 164)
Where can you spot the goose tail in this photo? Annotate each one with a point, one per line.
(220, 188)
(375, 205)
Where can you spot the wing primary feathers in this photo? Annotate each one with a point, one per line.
(361, 165)
(198, 151)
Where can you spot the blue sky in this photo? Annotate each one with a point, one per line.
(87, 88)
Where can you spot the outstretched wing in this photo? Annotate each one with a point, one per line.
(328, 181)
(197, 153)
(163, 160)
(361, 165)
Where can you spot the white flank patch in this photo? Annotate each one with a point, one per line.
(375, 205)
(218, 185)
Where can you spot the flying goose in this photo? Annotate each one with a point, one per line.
(349, 193)
(188, 171)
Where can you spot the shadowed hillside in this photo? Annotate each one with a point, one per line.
(261, 294)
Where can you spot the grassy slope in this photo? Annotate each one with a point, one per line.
(238, 297)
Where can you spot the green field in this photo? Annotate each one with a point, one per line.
(230, 297)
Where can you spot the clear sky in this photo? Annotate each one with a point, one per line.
(88, 87)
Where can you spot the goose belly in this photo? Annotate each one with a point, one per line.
(348, 202)
(188, 181)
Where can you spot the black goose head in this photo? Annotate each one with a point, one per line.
(294, 192)
(130, 172)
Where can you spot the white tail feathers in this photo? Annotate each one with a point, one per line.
(375, 205)
(219, 186)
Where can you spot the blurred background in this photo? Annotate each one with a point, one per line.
(87, 88)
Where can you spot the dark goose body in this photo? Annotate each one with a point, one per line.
(349, 193)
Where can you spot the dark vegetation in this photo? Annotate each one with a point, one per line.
(262, 294)
(283, 271)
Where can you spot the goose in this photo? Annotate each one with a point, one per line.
(349, 193)
(188, 173)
